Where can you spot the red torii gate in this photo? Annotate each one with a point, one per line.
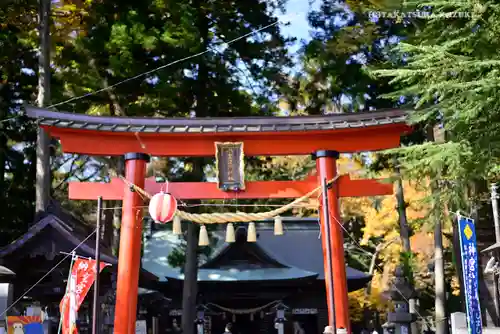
(138, 138)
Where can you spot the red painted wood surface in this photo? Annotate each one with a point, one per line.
(208, 190)
(92, 142)
(353, 139)
(129, 259)
(327, 168)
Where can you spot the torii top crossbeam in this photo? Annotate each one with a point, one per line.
(98, 135)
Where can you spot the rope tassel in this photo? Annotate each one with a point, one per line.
(230, 237)
(176, 226)
(203, 239)
(278, 226)
(252, 233)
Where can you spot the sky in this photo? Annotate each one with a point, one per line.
(296, 14)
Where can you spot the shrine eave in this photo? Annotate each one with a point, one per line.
(249, 275)
(67, 120)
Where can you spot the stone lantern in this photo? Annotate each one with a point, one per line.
(280, 319)
(399, 321)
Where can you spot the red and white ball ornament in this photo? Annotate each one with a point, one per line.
(162, 207)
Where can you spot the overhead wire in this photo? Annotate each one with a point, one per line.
(10, 118)
(163, 66)
(76, 98)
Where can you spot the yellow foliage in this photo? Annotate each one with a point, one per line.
(384, 221)
(381, 223)
(455, 286)
(359, 302)
(68, 19)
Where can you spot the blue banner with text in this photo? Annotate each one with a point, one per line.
(468, 247)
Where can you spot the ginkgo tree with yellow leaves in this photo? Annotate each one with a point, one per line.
(372, 230)
(382, 224)
(382, 240)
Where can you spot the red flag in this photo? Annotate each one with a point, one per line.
(79, 284)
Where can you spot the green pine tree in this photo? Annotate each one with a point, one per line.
(345, 38)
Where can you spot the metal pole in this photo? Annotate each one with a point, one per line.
(496, 220)
(155, 325)
(439, 277)
(95, 311)
(326, 215)
(61, 316)
(494, 204)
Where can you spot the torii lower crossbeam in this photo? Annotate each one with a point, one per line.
(114, 190)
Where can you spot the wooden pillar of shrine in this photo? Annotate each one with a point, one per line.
(335, 278)
(129, 259)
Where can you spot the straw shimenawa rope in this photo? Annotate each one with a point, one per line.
(232, 217)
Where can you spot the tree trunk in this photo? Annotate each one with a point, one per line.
(117, 218)
(439, 275)
(368, 315)
(401, 206)
(108, 216)
(3, 150)
(404, 231)
(441, 318)
(190, 289)
(458, 263)
(483, 218)
(43, 177)
(118, 167)
(3, 161)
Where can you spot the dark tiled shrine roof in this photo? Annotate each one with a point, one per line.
(68, 228)
(68, 232)
(298, 262)
(216, 125)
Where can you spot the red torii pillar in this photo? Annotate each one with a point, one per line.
(335, 278)
(129, 258)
